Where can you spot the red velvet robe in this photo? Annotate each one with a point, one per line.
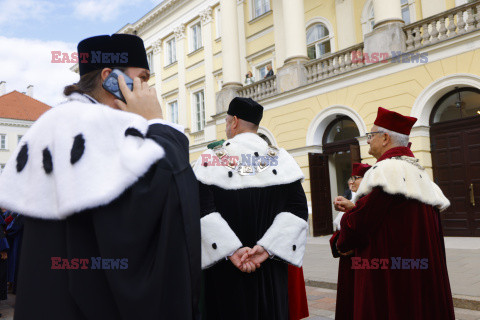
(385, 226)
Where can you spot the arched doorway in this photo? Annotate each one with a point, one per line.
(330, 170)
(455, 148)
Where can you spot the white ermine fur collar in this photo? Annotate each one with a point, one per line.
(77, 156)
(246, 161)
(403, 176)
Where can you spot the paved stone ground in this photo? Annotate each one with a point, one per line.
(321, 305)
(463, 264)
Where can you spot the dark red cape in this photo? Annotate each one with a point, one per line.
(384, 226)
(297, 296)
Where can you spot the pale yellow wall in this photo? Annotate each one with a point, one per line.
(260, 43)
(196, 73)
(262, 23)
(170, 84)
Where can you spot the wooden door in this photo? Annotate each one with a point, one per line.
(320, 194)
(456, 169)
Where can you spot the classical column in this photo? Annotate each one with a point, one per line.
(179, 32)
(279, 32)
(230, 47)
(386, 11)
(387, 35)
(232, 79)
(241, 37)
(293, 73)
(206, 17)
(346, 35)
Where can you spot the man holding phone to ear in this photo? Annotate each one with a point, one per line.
(99, 181)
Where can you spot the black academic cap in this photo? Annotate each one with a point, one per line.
(117, 50)
(246, 109)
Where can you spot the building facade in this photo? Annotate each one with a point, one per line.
(18, 112)
(335, 63)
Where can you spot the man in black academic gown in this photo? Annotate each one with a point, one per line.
(107, 234)
(253, 208)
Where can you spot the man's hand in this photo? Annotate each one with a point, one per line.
(245, 266)
(142, 100)
(4, 255)
(342, 204)
(257, 255)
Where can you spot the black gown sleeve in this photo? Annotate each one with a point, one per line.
(287, 236)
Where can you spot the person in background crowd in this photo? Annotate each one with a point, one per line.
(3, 259)
(14, 232)
(345, 282)
(249, 78)
(393, 226)
(270, 71)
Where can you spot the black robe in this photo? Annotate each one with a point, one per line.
(250, 212)
(152, 233)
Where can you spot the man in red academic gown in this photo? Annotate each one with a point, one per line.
(394, 229)
(344, 305)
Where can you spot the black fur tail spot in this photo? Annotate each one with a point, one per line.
(47, 161)
(134, 132)
(78, 148)
(22, 158)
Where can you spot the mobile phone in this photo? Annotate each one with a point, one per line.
(111, 83)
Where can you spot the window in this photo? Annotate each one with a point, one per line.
(171, 54)
(260, 7)
(3, 141)
(19, 137)
(196, 42)
(218, 22)
(405, 11)
(318, 41)
(456, 104)
(199, 102)
(150, 61)
(173, 109)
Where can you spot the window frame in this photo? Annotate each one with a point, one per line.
(218, 22)
(151, 63)
(169, 104)
(170, 51)
(317, 43)
(193, 35)
(3, 140)
(266, 8)
(194, 103)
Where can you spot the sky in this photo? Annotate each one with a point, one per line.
(31, 29)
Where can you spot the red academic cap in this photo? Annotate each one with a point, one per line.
(359, 169)
(394, 121)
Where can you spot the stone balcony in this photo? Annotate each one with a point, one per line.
(445, 26)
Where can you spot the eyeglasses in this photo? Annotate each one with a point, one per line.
(369, 135)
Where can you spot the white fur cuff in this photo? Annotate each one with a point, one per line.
(218, 239)
(286, 238)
